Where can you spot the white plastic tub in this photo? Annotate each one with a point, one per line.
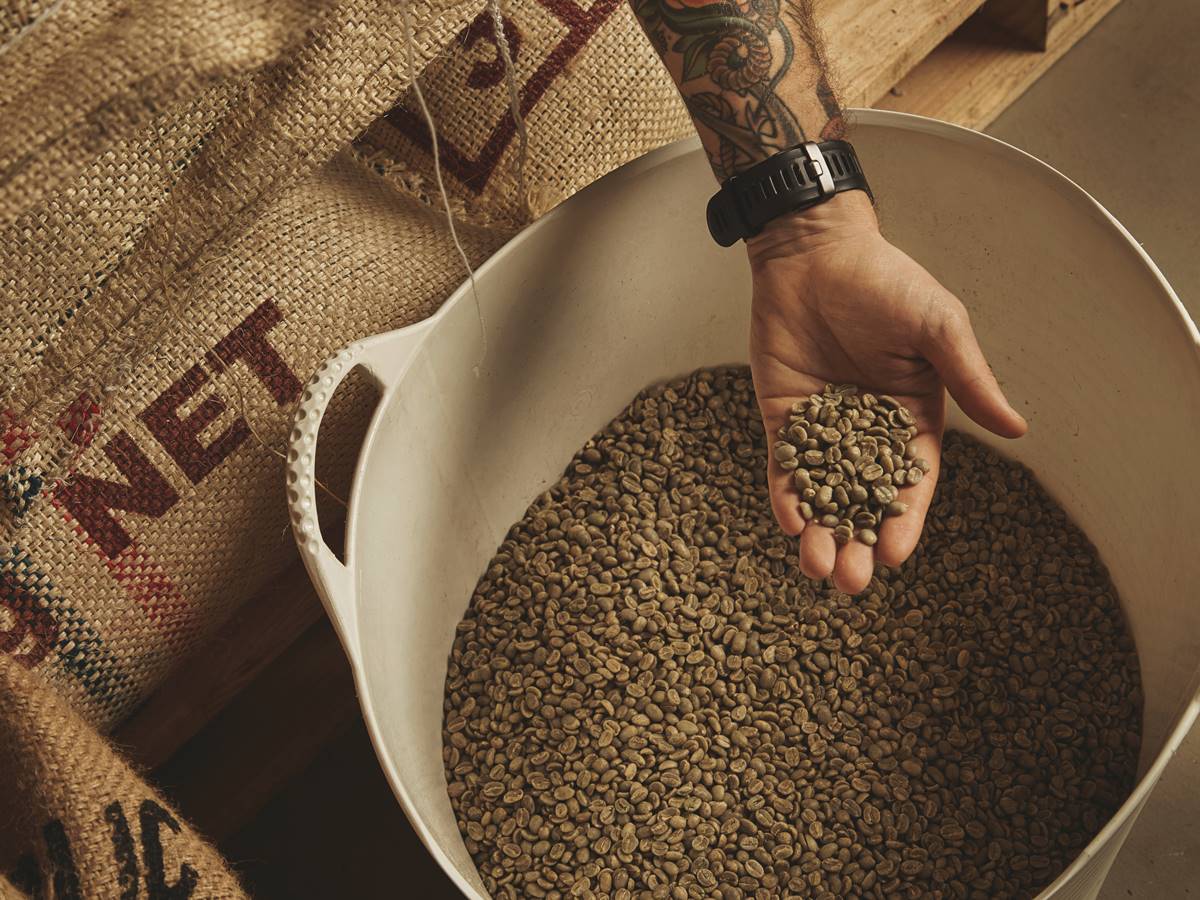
(621, 286)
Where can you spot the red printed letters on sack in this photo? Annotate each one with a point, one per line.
(28, 618)
(91, 501)
(180, 437)
(474, 168)
(248, 343)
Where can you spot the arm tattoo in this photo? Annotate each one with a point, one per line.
(752, 73)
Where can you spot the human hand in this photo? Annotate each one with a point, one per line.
(834, 301)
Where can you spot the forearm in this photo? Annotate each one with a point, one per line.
(752, 73)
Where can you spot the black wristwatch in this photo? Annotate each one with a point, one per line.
(789, 181)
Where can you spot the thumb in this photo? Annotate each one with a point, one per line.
(951, 347)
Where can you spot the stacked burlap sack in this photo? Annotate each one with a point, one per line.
(186, 236)
(199, 202)
(78, 823)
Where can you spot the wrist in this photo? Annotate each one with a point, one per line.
(844, 216)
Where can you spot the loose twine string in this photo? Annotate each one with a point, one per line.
(414, 77)
(514, 98)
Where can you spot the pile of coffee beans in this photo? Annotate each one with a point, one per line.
(849, 455)
(646, 698)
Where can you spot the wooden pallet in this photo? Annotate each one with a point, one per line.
(260, 701)
(986, 64)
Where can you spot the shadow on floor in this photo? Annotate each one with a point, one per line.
(336, 831)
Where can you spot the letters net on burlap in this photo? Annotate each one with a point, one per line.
(198, 203)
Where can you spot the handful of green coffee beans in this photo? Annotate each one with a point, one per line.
(849, 454)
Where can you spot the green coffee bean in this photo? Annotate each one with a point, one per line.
(865, 519)
(884, 494)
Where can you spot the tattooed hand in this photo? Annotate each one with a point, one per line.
(835, 302)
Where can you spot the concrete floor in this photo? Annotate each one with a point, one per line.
(1129, 93)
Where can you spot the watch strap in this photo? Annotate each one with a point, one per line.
(788, 181)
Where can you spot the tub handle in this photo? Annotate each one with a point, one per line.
(385, 358)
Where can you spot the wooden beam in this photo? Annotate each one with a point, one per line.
(975, 74)
(872, 44)
(203, 684)
(269, 733)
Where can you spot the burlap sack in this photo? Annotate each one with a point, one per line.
(105, 69)
(166, 524)
(162, 305)
(166, 294)
(592, 93)
(78, 823)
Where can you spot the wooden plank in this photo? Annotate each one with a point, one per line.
(1058, 10)
(872, 44)
(1063, 12)
(268, 734)
(973, 76)
(204, 683)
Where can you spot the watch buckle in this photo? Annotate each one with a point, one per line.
(817, 168)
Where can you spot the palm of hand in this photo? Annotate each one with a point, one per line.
(860, 312)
